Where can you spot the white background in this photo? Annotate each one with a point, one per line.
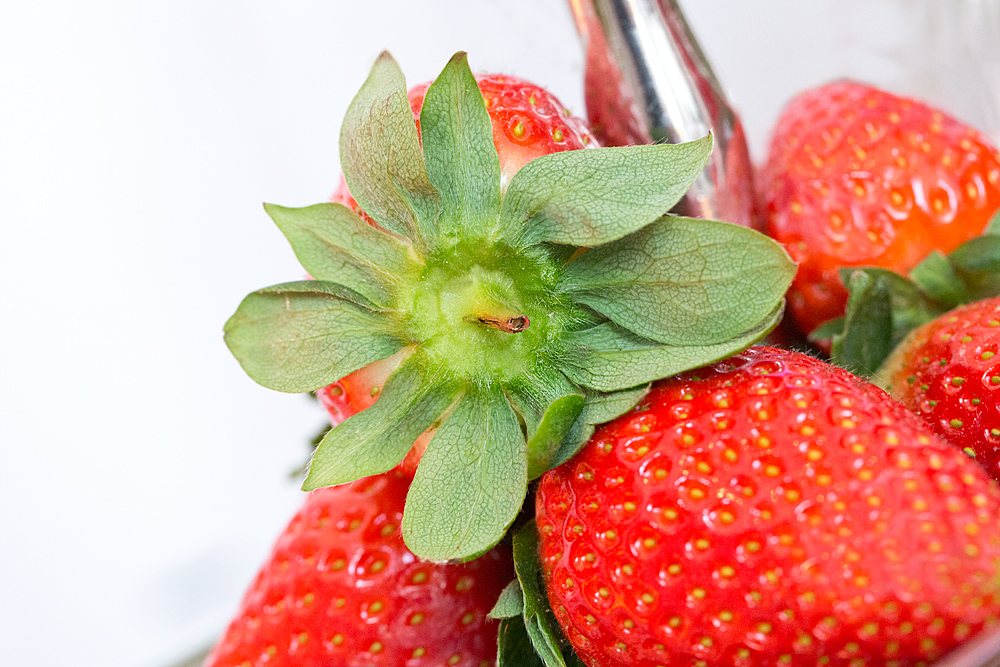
(142, 475)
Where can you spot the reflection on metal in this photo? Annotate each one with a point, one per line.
(647, 80)
(983, 651)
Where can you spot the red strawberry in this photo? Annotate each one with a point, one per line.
(528, 122)
(340, 588)
(769, 510)
(859, 177)
(357, 391)
(500, 318)
(948, 372)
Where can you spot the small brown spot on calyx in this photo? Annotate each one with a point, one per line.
(515, 324)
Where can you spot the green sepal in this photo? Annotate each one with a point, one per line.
(375, 440)
(937, 277)
(335, 245)
(882, 308)
(682, 281)
(993, 226)
(510, 603)
(560, 254)
(549, 407)
(977, 263)
(543, 630)
(462, 161)
(514, 647)
(979, 255)
(591, 197)
(381, 158)
(867, 337)
(827, 330)
(471, 481)
(609, 358)
(304, 335)
(598, 408)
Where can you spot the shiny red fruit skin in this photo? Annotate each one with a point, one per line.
(341, 590)
(528, 122)
(948, 372)
(357, 391)
(857, 176)
(769, 510)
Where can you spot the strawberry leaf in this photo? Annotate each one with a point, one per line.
(609, 358)
(867, 338)
(549, 408)
(601, 407)
(827, 330)
(884, 306)
(471, 481)
(538, 618)
(681, 281)
(514, 647)
(380, 154)
(590, 197)
(510, 603)
(977, 263)
(993, 226)
(598, 408)
(304, 335)
(333, 244)
(937, 277)
(462, 162)
(981, 254)
(376, 439)
(882, 309)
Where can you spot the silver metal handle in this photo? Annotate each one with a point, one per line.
(983, 651)
(647, 80)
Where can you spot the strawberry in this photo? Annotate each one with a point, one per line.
(528, 122)
(340, 588)
(769, 510)
(509, 299)
(947, 372)
(357, 391)
(857, 176)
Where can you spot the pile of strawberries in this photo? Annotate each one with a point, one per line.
(757, 507)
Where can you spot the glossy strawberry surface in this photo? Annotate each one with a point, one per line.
(528, 122)
(948, 372)
(342, 590)
(769, 510)
(357, 391)
(857, 176)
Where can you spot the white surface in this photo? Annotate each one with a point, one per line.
(142, 475)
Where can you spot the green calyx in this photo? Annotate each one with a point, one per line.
(521, 319)
(486, 312)
(884, 306)
(529, 633)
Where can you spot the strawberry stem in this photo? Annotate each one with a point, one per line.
(515, 324)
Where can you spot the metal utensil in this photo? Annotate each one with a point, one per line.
(647, 80)
(983, 651)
